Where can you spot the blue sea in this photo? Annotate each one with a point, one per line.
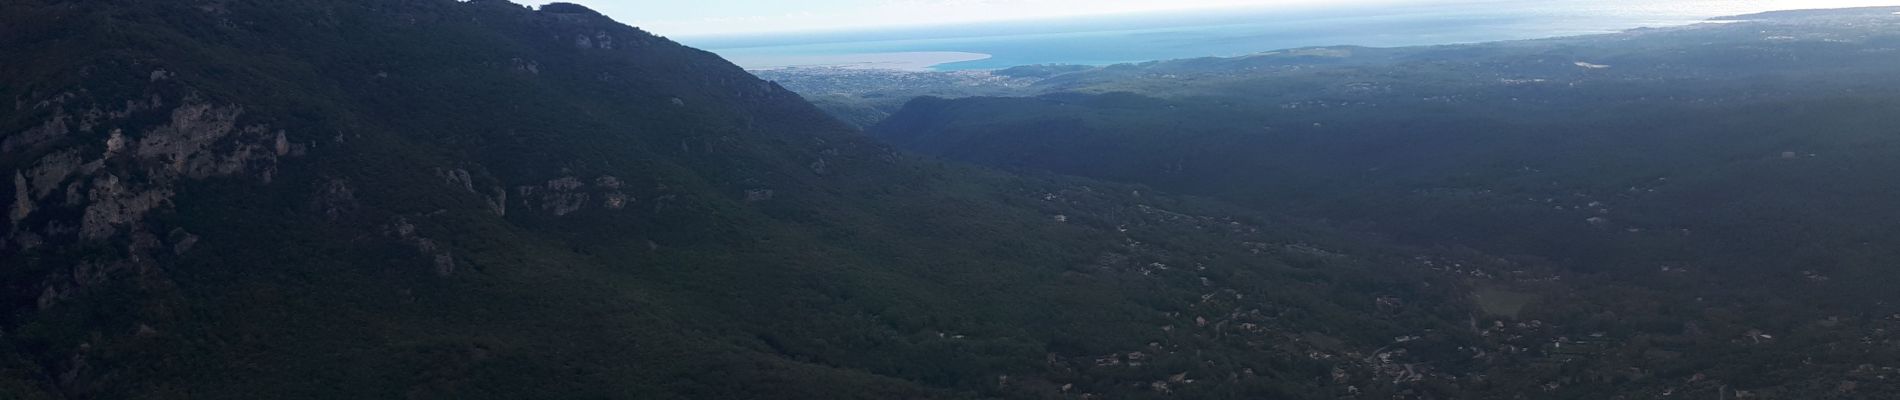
(1235, 32)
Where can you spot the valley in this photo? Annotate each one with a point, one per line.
(314, 199)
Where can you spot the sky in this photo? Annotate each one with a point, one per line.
(735, 17)
(713, 18)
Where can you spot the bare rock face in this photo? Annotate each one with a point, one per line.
(604, 41)
(442, 260)
(47, 174)
(73, 194)
(616, 201)
(563, 196)
(498, 201)
(598, 40)
(192, 127)
(114, 205)
(115, 144)
(566, 195)
(22, 201)
(459, 178)
(186, 146)
(281, 144)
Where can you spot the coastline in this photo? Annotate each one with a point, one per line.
(912, 61)
(1108, 41)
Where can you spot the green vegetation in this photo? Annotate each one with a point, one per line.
(862, 97)
(314, 199)
(477, 200)
(1670, 194)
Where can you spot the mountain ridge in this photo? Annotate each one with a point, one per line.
(442, 199)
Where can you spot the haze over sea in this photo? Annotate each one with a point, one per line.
(1221, 33)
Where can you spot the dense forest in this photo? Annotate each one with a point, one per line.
(303, 199)
(474, 199)
(1734, 175)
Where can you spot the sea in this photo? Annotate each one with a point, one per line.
(1105, 40)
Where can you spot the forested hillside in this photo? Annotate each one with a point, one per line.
(315, 199)
(1670, 180)
(418, 199)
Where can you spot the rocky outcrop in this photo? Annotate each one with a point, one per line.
(47, 174)
(566, 195)
(602, 40)
(498, 201)
(200, 141)
(458, 178)
(22, 202)
(113, 205)
(442, 261)
(185, 146)
(115, 143)
(616, 201)
(563, 196)
(89, 184)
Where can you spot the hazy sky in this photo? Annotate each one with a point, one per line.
(710, 17)
(720, 17)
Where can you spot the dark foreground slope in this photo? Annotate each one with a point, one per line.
(1740, 175)
(437, 199)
